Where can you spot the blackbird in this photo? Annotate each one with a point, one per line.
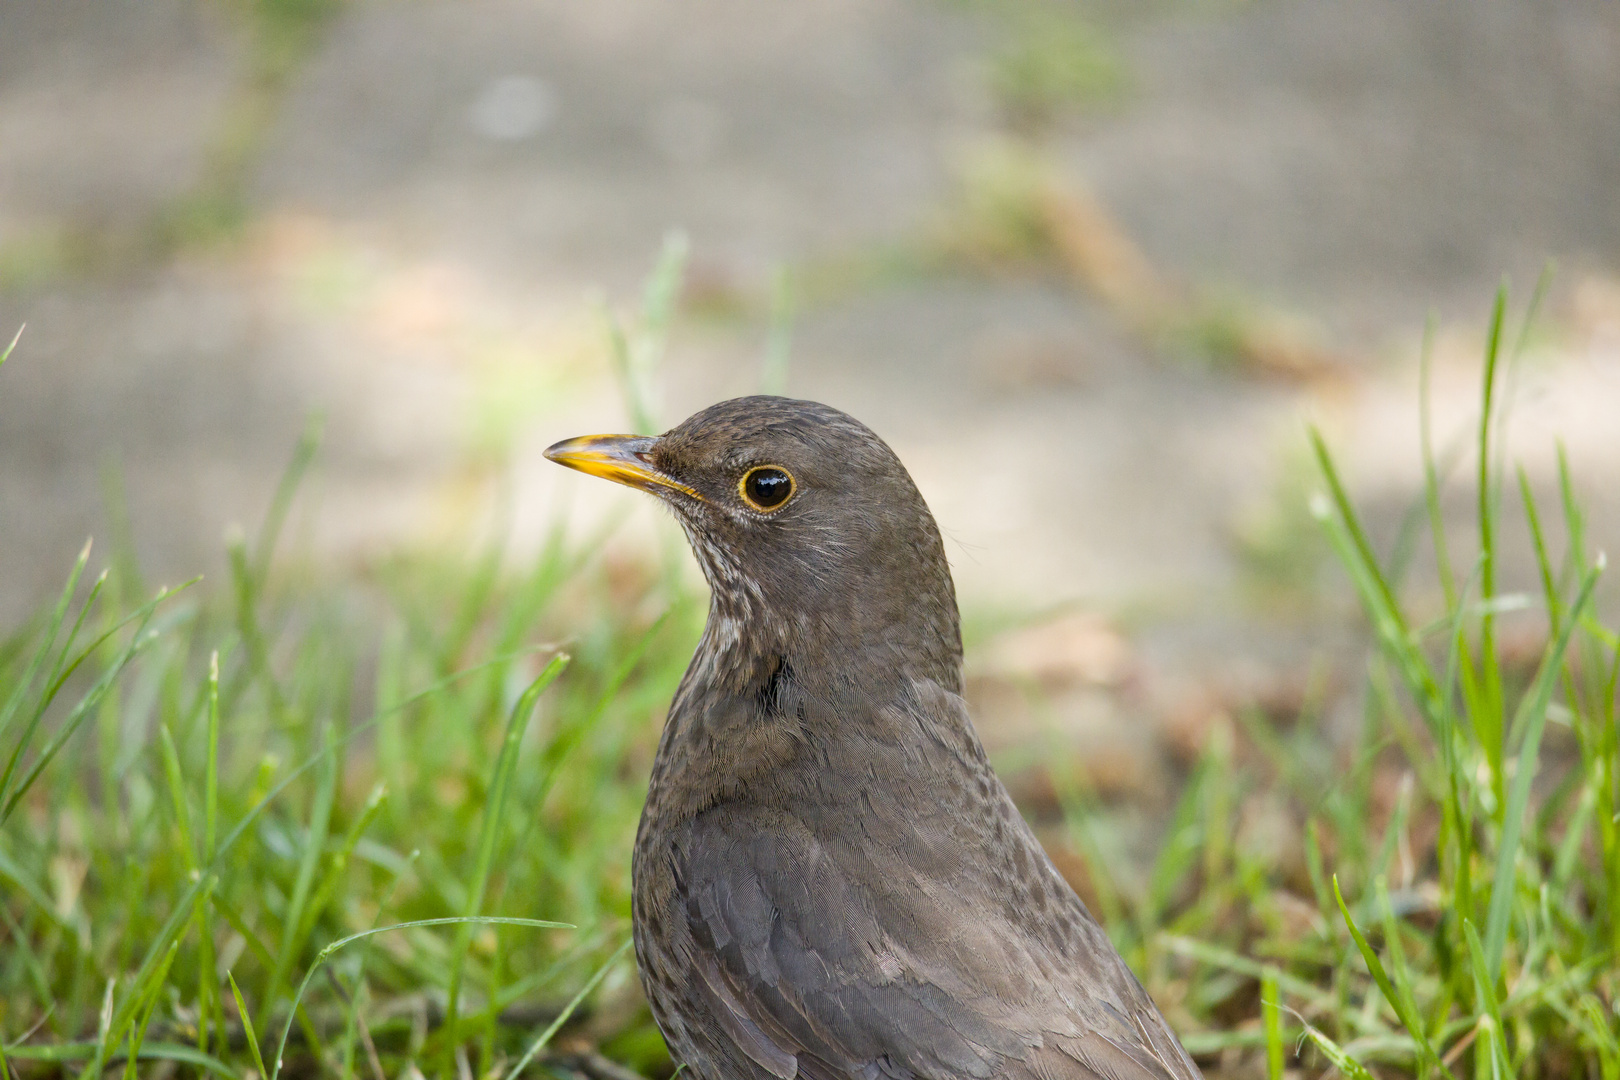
(829, 881)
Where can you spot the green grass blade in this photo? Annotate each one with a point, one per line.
(211, 776)
(1532, 310)
(1607, 815)
(320, 820)
(1574, 517)
(1365, 561)
(4, 356)
(246, 589)
(1549, 587)
(1398, 1002)
(1431, 472)
(142, 614)
(235, 921)
(1271, 1018)
(500, 788)
(1569, 846)
(26, 886)
(545, 1036)
(1490, 1053)
(247, 1027)
(1602, 1033)
(1488, 716)
(1206, 953)
(1178, 854)
(1531, 719)
(1349, 541)
(565, 741)
(209, 1005)
(147, 983)
(53, 627)
(1459, 806)
(177, 796)
(1400, 975)
(309, 444)
(137, 1034)
(64, 1053)
(1342, 1061)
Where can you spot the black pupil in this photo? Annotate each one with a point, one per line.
(768, 487)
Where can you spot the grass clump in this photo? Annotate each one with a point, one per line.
(1441, 897)
(393, 799)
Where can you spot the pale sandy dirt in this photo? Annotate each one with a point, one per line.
(453, 188)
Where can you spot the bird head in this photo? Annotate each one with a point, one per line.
(806, 525)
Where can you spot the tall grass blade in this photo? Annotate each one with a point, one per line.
(1364, 561)
(1342, 1061)
(1431, 473)
(495, 807)
(315, 837)
(1531, 719)
(1488, 713)
(27, 887)
(1214, 955)
(1271, 1018)
(544, 1038)
(53, 627)
(209, 1006)
(177, 797)
(137, 1033)
(65, 1053)
(1398, 1002)
(1349, 541)
(309, 444)
(247, 1028)
(1491, 1051)
(6, 355)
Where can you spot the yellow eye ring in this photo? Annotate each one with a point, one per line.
(766, 488)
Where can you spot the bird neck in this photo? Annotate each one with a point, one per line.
(876, 610)
(876, 640)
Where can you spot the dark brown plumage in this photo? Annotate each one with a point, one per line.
(830, 882)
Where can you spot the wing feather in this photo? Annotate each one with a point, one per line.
(808, 982)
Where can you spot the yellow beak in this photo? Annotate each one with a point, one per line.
(624, 459)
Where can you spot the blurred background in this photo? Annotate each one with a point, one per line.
(1094, 268)
(1090, 267)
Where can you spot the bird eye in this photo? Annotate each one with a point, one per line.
(766, 487)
